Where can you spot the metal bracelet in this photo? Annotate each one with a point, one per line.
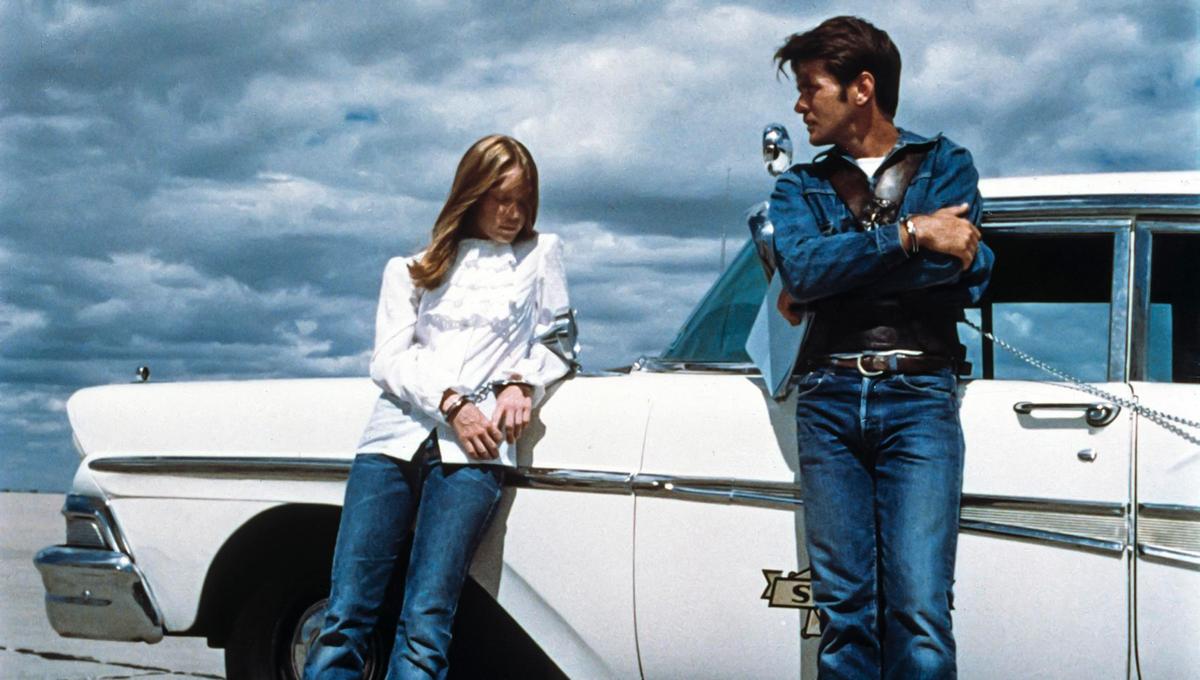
(457, 405)
(913, 246)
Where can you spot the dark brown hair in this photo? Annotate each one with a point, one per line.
(848, 46)
(482, 167)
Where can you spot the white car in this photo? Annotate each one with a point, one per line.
(654, 529)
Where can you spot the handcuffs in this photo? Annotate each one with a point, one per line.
(561, 338)
(478, 395)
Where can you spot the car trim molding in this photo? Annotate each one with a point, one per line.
(1169, 533)
(785, 495)
(1115, 205)
(95, 513)
(1096, 526)
(221, 466)
(591, 481)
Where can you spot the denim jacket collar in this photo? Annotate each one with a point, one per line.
(905, 140)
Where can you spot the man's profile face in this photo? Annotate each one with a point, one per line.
(822, 102)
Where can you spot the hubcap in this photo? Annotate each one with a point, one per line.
(304, 635)
(304, 638)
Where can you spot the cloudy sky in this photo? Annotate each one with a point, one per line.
(213, 188)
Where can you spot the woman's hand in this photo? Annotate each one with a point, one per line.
(513, 407)
(477, 435)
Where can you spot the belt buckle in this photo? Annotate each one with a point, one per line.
(866, 374)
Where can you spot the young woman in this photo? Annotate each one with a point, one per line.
(456, 325)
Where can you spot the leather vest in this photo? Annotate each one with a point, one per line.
(911, 320)
(907, 321)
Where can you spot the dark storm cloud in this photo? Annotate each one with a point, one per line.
(214, 187)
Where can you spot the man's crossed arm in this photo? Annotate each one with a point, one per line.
(879, 261)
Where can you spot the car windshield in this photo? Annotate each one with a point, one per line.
(717, 329)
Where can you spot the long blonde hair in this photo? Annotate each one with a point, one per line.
(481, 168)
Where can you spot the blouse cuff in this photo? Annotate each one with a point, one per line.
(540, 369)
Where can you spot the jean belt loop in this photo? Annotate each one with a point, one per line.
(893, 362)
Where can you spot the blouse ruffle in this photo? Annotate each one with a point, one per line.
(479, 325)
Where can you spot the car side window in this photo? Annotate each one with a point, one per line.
(1050, 296)
(1173, 347)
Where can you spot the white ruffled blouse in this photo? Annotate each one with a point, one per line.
(479, 325)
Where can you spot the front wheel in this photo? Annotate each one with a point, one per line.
(275, 629)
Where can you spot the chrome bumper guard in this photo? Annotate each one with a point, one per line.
(93, 588)
(97, 594)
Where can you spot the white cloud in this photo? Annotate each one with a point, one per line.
(14, 320)
(634, 291)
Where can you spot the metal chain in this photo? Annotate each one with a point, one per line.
(1164, 420)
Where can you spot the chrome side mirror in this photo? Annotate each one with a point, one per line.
(777, 156)
(777, 149)
(562, 337)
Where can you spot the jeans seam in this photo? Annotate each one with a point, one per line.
(903, 379)
(810, 390)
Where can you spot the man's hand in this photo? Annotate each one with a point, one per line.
(946, 231)
(788, 307)
(513, 407)
(478, 436)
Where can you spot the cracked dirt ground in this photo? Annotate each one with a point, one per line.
(29, 648)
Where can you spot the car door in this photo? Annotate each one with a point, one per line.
(720, 570)
(1042, 587)
(1166, 373)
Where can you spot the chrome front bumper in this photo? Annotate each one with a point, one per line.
(95, 590)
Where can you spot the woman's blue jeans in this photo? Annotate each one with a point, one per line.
(881, 461)
(451, 505)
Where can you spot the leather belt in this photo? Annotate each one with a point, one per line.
(879, 364)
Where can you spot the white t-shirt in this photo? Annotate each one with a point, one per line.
(869, 165)
(479, 325)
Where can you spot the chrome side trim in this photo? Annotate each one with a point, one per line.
(1191, 559)
(1082, 524)
(570, 480)
(95, 511)
(1116, 547)
(1042, 223)
(1170, 225)
(1139, 303)
(1090, 206)
(783, 495)
(259, 466)
(660, 365)
(1028, 503)
(1169, 532)
(1119, 309)
(97, 594)
(1170, 511)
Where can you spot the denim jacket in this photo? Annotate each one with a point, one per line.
(822, 252)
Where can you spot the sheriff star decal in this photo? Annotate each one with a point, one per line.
(793, 591)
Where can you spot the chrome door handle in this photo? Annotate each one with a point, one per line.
(1097, 414)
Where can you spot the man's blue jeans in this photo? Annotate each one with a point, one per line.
(881, 462)
(452, 505)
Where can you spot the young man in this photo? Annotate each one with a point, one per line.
(881, 447)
